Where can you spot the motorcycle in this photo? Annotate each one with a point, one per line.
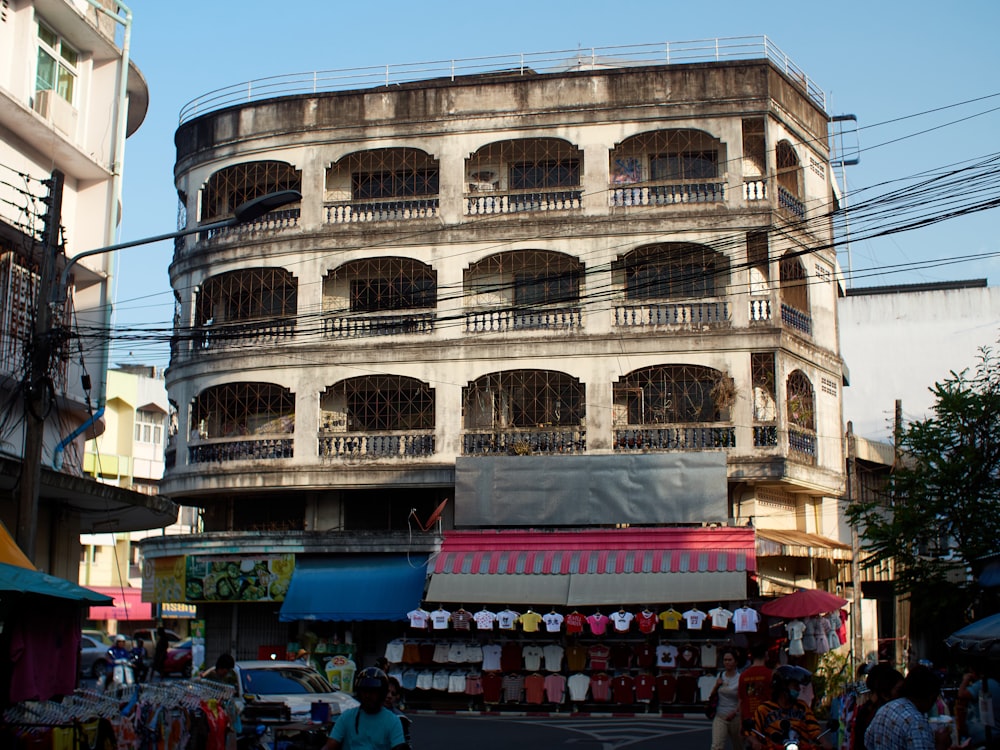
(119, 674)
(788, 738)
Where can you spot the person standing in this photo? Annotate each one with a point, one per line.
(370, 726)
(726, 722)
(755, 685)
(902, 724)
(883, 683)
(160, 652)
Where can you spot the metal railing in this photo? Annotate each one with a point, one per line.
(721, 49)
(701, 314)
(240, 449)
(376, 445)
(679, 438)
(524, 442)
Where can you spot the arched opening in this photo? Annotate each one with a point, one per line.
(668, 166)
(235, 185)
(529, 174)
(382, 184)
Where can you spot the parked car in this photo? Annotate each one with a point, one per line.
(93, 656)
(179, 658)
(99, 635)
(149, 639)
(296, 685)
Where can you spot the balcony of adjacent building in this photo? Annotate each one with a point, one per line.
(242, 421)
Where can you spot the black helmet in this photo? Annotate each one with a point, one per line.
(372, 678)
(785, 674)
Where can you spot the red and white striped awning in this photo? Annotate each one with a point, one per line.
(597, 566)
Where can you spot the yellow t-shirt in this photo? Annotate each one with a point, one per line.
(529, 622)
(671, 619)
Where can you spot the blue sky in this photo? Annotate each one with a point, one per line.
(884, 61)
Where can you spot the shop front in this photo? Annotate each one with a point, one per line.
(612, 619)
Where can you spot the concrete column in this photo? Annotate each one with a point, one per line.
(595, 178)
(306, 420)
(313, 168)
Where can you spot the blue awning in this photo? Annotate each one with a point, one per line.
(354, 587)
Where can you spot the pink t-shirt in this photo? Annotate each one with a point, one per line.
(598, 623)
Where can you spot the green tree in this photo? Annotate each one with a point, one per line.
(941, 510)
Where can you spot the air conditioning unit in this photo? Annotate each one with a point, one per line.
(56, 110)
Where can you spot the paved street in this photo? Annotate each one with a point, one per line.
(575, 733)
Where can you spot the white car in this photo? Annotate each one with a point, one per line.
(296, 685)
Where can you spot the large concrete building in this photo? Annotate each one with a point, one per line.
(550, 296)
(69, 96)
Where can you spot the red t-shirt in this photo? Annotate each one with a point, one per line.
(574, 622)
(666, 687)
(492, 687)
(755, 688)
(510, 657)
(600, 687)
(534, 688)
(623, 689)
(646, 621)
(599, 656)
(645, 655)
(644, 686)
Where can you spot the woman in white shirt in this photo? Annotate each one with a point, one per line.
(727, 715)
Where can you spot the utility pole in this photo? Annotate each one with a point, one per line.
(39, 392)
(857, 629)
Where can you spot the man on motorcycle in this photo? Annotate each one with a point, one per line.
(137, 658)
(785, 717)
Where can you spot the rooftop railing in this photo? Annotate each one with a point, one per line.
(722, 49)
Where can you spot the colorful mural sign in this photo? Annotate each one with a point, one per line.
(237, 579)
(217, 578)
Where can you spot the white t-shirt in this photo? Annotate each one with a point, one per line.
(745, 620)
(418, 618)
(666, 655)
(394, 650)
(720, 618)
(440, 618)
(484, 619)
(621, 620)
(491, 657)
(579, 685)
(694, 619)
(553, 657)
(553, 622)
(532, 656)
(706, 683)
(507, 618)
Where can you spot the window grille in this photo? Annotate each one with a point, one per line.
(524, 399)
(375, 284)
(245, 295)
(239, 409)
(801, 401)
(233, 186)
(376, 403)
(672, 394)
(666, 155)
(673, 270)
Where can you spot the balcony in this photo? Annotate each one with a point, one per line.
(675, 438)
(520, 201)
(241, 335)
(703, 314)
(338, 326)
(796, 319)
(755, 190)
(515, 442)
(760, 310)
(667, 194)
(765, 436)
(275, 221)
(802, 445)
(391, 209)
(224, 450)
(791, 204)
(499, 321)
(376, 445)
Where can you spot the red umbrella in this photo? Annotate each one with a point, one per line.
(803, 603)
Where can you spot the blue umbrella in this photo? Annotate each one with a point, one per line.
(981, 638)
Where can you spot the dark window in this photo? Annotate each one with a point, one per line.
(398, 184)
(545, 174)
(546, 288)
(373, 295)
(685, 165)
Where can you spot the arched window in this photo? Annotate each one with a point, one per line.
(800, 399)
(788, 168)
(233, 186)
(247, 295)
(383, 173)
(373, 403)
(673, 394)
(380, 284)
(520, 278)
(243, 409)
(673, 270)
(665, 156)
(524, 399)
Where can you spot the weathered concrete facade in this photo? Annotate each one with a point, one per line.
(613, 261)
